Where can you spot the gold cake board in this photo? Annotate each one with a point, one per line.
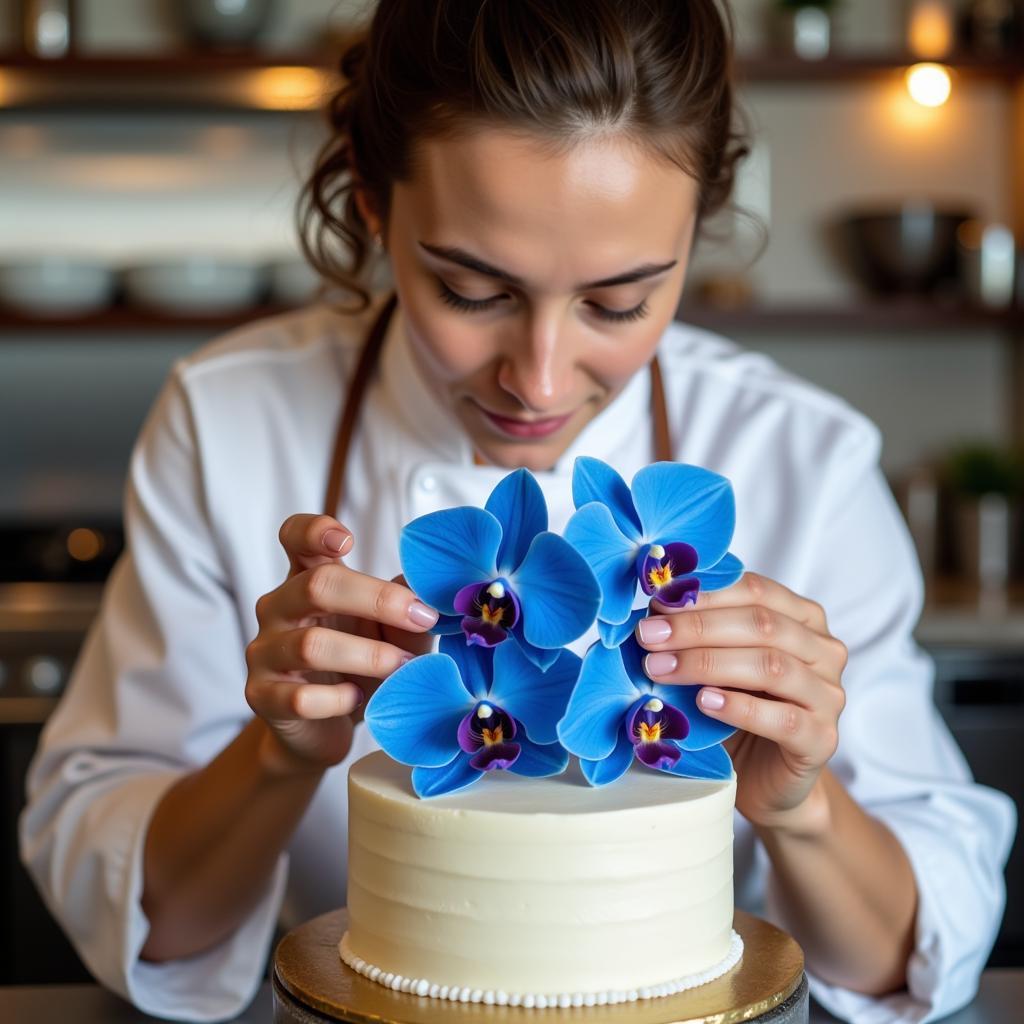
(311, 985)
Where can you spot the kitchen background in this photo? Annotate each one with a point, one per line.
(150, 153)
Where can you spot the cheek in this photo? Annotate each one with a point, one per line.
(450, 350)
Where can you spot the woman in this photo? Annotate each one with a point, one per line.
(537, 175)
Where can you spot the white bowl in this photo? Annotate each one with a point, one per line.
(56, 285)
(195, 284)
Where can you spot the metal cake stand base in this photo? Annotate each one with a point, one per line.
(313, 986)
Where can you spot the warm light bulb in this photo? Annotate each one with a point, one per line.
(929, 84)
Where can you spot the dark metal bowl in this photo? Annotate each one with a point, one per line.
(909, 248)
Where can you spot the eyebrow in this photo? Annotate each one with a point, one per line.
(466, 259)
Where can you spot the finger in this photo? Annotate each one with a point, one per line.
(281, 700)
(337, 589)
(311, 540)
(793, 728)
(317, 648)
(740, 626)
(764, 669)
(414, 643)
(754, 588)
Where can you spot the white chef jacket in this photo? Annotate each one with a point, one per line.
(240, 438)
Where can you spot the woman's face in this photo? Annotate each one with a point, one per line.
(505, 259)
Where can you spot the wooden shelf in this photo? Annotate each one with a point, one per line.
(927, 318)
(119, 320)
(917, 315)
(230, 79)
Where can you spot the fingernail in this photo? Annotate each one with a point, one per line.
(660, 664)
(713, 700)
(654, 631)
(421, 614)
(406, 658)
(334, 540)
(360, 697)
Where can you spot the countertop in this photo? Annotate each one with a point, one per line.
(999, 1000)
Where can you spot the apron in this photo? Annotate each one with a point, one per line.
(361, 378)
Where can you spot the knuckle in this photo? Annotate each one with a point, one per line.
(697, 623)
(311, 647)
(764, 621)
(379, 661)
(252, 654)
(705, 658)
(382, 600)
(319, 582)
(830, 740)
(773, 664)
(262, 608)
(840, 699)
(755, 585)
(842, 651)
(817, 609)
(789, 720)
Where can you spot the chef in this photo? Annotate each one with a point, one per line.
(189, 791)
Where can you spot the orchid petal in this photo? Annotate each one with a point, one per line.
(662, 754)
(428, 782)
(724, 573)
(594, 480)
(542, 657)
(711, 763)
(614, 766)
(704, 731)
(539, 760)
(558, 593)
(680, 502)
(592, 531)
(614, 634)
(446, 625)
(415, 713)
(604, 693)
(474, 663)
(441, 552)
(517, 502)
(536, 699)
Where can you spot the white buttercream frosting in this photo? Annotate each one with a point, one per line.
(540, 889)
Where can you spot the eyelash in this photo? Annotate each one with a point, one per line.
(465, 305)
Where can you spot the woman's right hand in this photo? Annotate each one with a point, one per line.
(327, 636)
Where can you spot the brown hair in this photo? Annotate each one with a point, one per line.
(655, 71)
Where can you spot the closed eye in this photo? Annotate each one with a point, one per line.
(464, 305)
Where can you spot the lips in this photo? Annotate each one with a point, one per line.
(525, 428)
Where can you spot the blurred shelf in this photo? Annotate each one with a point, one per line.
(184, 80)
(840, 67)
(871, 316)
(257, 80)
(122, 320)
(909, 315)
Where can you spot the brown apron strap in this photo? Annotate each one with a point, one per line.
(353, 402)
(361, 379)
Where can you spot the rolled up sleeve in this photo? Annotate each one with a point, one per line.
(157, 691)
(896, 755)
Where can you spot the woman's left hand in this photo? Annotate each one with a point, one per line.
(769, 666)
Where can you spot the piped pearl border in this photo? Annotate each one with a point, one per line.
(533, 1000)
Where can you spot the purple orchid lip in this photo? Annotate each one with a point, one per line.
(487, 733)
(654, 728)
(664, 573)
(486, 725)
(489, 610)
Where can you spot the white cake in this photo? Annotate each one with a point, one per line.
(540, 892)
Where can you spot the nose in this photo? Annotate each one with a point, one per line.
(537, 364)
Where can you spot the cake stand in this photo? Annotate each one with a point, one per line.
(313, 986)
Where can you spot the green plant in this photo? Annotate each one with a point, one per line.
(983, 467)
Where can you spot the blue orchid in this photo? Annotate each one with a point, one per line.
(468, 710)
(667, 534)
(617, 714)
(498, 570)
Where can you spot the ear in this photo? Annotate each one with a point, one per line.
(365, 205)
